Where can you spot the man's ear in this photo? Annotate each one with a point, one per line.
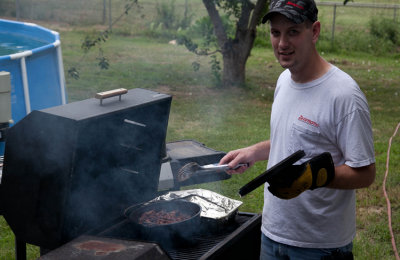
(316, 29)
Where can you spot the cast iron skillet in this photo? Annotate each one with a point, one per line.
(168, 234)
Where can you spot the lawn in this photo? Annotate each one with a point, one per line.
(226, 119)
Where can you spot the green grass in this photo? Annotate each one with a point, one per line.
(229, 119)
(226, 119)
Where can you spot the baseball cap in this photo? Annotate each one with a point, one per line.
(295, 10)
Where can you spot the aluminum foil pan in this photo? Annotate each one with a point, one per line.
(213, 205)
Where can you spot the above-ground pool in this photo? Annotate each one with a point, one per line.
(32, 55)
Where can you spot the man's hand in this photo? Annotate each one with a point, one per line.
(248, 155)
(317, 172)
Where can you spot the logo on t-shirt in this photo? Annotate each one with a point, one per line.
(308, 121)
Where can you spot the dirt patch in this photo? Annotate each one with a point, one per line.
(372, 210)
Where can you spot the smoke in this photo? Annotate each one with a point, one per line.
(71, 162)
(118, 164)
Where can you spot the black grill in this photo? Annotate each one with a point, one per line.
(239, 239)
(70, 171)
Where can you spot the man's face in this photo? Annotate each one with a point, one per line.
(293, 43)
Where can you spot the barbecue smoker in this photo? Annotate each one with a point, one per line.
(70, 172)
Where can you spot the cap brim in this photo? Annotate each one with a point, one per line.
(283, 12)
(266, 17)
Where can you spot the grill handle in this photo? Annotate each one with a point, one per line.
(110, 93)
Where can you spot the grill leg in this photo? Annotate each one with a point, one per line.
(20, 249)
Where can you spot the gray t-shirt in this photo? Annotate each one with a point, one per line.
(329, 114)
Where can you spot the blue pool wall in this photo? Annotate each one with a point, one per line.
(37, 75)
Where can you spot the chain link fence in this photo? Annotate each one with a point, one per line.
(72, 12)
(354, 16)
(334, 16)
(91, 12)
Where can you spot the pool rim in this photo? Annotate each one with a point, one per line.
(24, 54)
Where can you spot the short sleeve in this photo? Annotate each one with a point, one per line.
(355, 139)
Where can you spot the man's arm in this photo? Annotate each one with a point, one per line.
(347, 177)
(250, 155)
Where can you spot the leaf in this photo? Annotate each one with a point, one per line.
(103, 63)
(73, 73)
(195, 66)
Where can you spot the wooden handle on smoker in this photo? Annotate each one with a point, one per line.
(111, 93)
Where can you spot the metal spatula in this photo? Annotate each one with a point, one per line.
(192, 168)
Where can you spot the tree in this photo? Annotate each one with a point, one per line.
(234, 50)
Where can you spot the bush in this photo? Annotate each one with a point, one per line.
(381, 38)
(262, 39)
(385, 29)
(166, 15)
(168, 18)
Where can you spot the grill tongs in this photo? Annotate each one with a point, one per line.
(193, 168)
(270, 173)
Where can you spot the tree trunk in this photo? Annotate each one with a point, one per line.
(234, 68)
(235, 52)
(233, 74)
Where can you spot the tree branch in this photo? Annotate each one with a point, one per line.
(243, 22)
(260, 9)
(222, 38)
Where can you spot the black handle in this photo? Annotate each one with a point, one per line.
(268, 174)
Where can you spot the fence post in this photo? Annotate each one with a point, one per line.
(104, 11)
(333, 26)
(109, 16)
(17, 9)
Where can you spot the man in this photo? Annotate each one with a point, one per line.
(319, 109)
